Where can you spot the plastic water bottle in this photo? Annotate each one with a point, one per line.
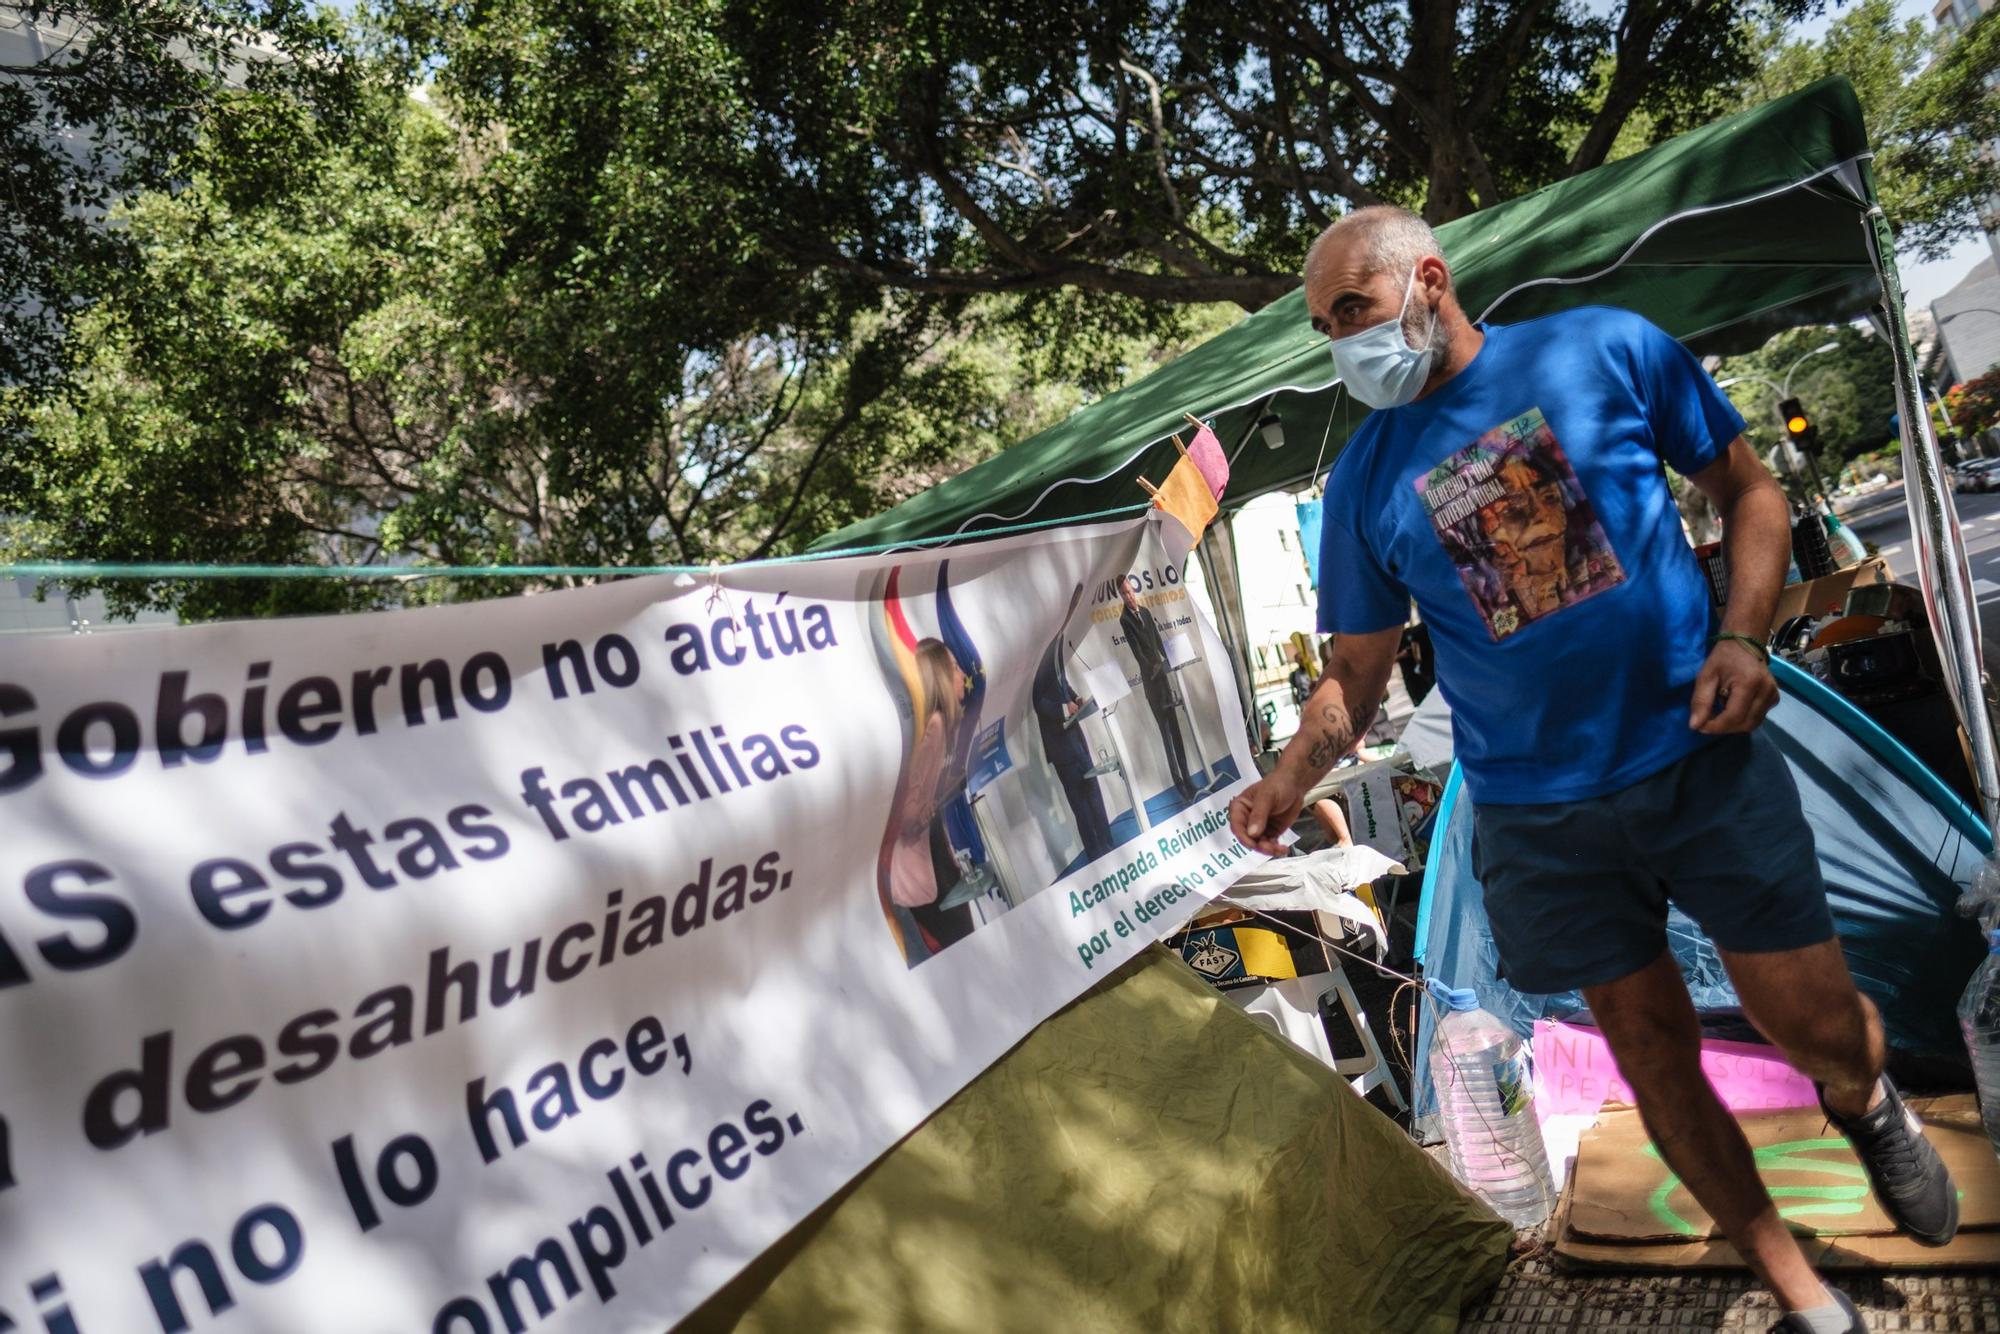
(1849, 548)
(1479, 1067)
(1979, 1020)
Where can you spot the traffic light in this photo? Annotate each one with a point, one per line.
(1799, 427)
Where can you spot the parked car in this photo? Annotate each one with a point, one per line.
(1976, 475)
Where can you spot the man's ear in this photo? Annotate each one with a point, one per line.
(1435, 275)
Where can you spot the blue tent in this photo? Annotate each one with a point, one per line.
(1896, 846)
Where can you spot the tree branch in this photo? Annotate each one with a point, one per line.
(1159, 121)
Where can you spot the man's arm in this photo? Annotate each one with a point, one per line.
(1046, 694)
(1338, 710)
(1735, 689)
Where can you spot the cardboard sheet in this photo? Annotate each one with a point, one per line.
(1828, 594)
(1968, 1250)
(1624, 1193)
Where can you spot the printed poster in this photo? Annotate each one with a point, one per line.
(1516, 523)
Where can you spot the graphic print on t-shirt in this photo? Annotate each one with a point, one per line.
(1517, 525)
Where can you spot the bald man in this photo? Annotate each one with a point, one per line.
(1510, 481)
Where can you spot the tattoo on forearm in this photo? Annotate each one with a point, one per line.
(1337, 734)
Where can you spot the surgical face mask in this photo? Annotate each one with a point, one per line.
(1379, 366)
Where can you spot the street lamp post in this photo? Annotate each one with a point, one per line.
(1822, 348)
(1771, 385)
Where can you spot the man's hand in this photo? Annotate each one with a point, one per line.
(1734, 691)
(1262, 812)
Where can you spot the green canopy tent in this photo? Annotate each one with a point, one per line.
(1723, 236)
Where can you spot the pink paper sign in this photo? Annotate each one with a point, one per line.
(1574, 1074)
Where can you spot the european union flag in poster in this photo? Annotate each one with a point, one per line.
(1309, 511)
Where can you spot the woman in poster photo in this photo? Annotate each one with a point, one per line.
(914, 862)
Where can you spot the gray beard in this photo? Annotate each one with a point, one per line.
(1437, 343)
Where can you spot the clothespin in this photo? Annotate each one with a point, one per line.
(1195, 421)
(716, 592)
(1150, 489)
(1181, 447)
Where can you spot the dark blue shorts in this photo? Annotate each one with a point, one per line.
(1577, 891)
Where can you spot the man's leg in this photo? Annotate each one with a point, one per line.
(1087, 806)
(1805, 1002)
(1073, 785)
(1170, 738)
(1750, 878)
(1650, 1022)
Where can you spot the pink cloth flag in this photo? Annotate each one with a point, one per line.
(1206, 451)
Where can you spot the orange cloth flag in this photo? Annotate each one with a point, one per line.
(1186, 496)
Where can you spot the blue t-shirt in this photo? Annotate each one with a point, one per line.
(1523, 505)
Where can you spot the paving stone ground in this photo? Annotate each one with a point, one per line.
(1535, 1296)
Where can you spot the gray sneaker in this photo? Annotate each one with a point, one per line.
(1909, 1178)
(1794, 1323)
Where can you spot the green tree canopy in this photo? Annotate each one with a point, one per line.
(1176, 152)
(351, 369)
(1928, 100)
(116, 103)
(639, 282)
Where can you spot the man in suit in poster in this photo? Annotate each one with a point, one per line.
(1055, 704)
(1142, 637)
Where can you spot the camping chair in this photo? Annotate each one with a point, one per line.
(1301, 1009)
(1324, 883)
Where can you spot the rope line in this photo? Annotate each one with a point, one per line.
(204, 570)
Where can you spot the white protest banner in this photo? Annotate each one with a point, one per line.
(535, 963)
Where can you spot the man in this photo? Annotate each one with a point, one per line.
(1301, 682)
(1062, 741)
(1510, 482)
(1413, 660)
(1149, 651)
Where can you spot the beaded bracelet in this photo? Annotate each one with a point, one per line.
(1763, 653)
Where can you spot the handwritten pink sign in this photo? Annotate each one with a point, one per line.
(1574, 1074)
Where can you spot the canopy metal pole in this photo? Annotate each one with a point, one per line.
(1941, 567)
(1225, 594)
(1225, 587)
